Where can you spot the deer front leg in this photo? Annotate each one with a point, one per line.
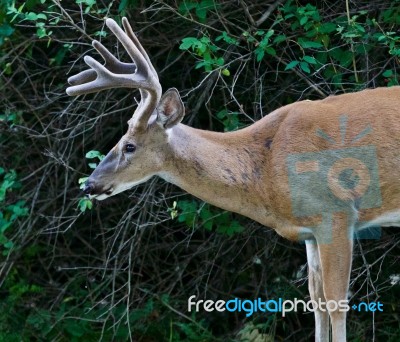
(336, 258)
(316, 290)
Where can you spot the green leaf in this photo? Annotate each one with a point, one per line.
(9, 244)
(259, 54)
(189, 212)
(387, 73)
(309, 59)
(207, 216)
(303, 20)
(224, 36)
(203, 8)
(230, 229)
(82, 185)
(82, 205)
(325, 39)
(269, 33)
(31, 16)
(222, 113)
(344, 57)
(18, 209)
(280, 38)
(204, 64)
(94, 154)
(305, 67)
(327, 28)
(306, 44)
(122, 5)
(219, 61)
(291, 65)
(351, 35)
(395, 52)
(270, 50)
(205, 40)
(235, 227)
(186, 6)
(85, 203)
(41, 16)
(4, 226)
(189, 42)
(89, 3)
(41, 32)
(6, 30)
(74, 328)
(82, 180)
(100, 34)
(337, 79)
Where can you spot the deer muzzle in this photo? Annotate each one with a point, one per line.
(93, 190)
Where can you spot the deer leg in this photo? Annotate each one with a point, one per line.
(316, 290)
(336, 258)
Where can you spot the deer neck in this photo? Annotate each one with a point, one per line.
(219, 168)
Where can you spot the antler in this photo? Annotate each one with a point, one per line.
(115, 74)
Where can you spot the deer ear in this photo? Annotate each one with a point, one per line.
(170, 109)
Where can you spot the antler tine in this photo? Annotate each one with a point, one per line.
(83, 77)
(89, 78)
(150, 90)
(132, 36)
(114, 73)
(111, 63)
(128, 44)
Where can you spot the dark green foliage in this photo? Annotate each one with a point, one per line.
(11, 210)
(195, 214)
(126, 267)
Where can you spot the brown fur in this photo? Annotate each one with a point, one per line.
(248, 171)
(292, 130)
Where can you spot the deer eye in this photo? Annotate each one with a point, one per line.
(130, 148)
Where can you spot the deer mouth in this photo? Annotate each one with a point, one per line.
(109, 191)
(103, 195)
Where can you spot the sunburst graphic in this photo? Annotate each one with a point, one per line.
(343, 131)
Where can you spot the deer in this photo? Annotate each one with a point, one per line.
(316, 171)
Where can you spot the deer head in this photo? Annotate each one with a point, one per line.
(141, 152)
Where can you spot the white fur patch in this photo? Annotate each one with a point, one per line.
(390, 219)
(120, 188)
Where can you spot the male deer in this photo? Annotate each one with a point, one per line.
(314, 170)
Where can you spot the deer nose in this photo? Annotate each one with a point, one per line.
(88, 188)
